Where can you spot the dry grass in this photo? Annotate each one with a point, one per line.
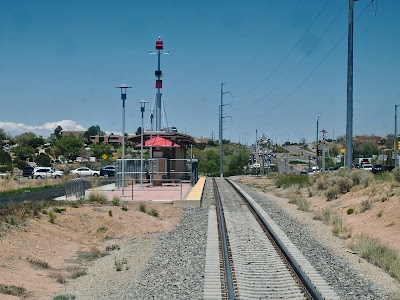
(374, 251)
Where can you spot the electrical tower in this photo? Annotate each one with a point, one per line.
(221, 117)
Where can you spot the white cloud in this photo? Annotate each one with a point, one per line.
(44, 130)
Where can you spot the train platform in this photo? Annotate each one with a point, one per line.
(181, 194)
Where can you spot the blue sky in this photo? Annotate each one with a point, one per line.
(60, 62)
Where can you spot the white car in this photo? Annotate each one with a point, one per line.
(367, 167)
(46, 172)
(83, 171)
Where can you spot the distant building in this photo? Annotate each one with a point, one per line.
(113, 140)
(74, 133)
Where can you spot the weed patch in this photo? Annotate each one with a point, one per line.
(303, 204)
(91, 255)
(78, 273)
(52, 216)
(374, 251)
(365, 205)
(142, 208)
(97, 197)
(324, 215)
(292, 179)
(121, 264)
(38, 263)
(340, 229)
(116, 201)
(64, 297)
(332, 193)
(153, 212)
(13, 290)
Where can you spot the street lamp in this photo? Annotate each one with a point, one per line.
(142, 107)
(316, 156)
(396, 158)
(123, 88)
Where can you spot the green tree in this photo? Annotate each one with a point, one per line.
(5, 157)
(236, 162)
(69, 146)
(43, 160)
(25, 138)
(4, 135)
(93, 130)
(99, 149)
(36, 142)
(138, 131)
(57, 132)
(366, 149)
(24, 152)
(334, 150)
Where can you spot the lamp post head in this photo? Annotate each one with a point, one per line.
(142, 105)
(123, 88)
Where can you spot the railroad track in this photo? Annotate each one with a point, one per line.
(249, 257)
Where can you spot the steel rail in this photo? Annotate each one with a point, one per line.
(314, 293)
(227, 265)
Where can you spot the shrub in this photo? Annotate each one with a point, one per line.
(303, 204)
(332, 193)
(91, 255)
(360, 177)
(60, 278)
(153, 212)
(52, 216)
(124, 208)
(116, 201)
(59, 210)
(142, 208)
(350, 211)
(374, 251)
(322, 183)
(324, 215)
(396, 174)
(340, 229)
(97, 197)
(379, 214)
(365, 205)
(344, 184)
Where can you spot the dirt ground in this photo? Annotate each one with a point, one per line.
(41, 254)
(380, 221)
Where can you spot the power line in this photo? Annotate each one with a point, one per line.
(301, 61)
(293, 48)
(312, 72)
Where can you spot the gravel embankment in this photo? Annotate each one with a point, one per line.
(325, 252)
(171, 266)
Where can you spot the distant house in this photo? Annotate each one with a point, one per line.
(74, 133)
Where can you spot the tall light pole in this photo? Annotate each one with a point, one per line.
(123, 88)
(142, 108)
(158, 74)
(396, 153)
(316, 156)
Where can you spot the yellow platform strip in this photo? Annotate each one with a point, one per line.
(197, 190)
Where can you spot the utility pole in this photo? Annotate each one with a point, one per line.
(221, 116)
(395, 148)
(349, 123)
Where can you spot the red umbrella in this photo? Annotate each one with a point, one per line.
(158, 141)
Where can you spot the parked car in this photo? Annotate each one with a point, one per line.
(107, 171)
(377, 168)
(46, 172)
(367, 167)
(304, 171)
(83, 171)
(28, 171)
(3, 175)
